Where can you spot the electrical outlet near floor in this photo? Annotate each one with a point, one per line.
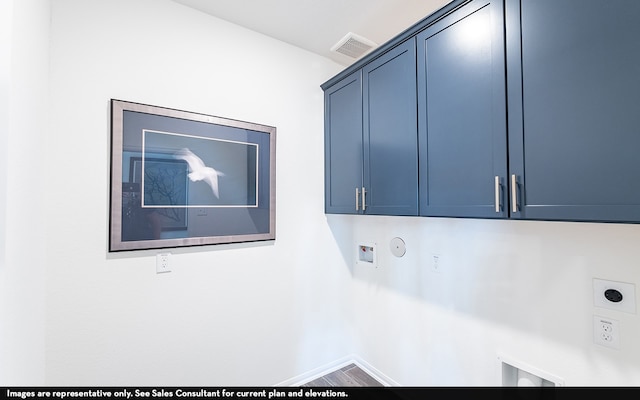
(162, 263)
(606, 332)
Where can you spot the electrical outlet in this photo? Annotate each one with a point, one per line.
(162, 263)
(619, 296)
(606, 332)
(436, 263)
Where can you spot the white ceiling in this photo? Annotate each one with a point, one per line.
(317, 25)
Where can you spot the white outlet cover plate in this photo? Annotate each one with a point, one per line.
(436, 263)
(606, 332)
(628, 290)
(163, 263)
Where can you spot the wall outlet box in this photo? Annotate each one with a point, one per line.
(163, 263)
(606, 332)
(436, 263)
(619, 296)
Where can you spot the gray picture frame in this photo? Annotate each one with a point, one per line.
(182, 179)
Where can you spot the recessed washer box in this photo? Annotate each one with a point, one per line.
(624, 299)
(367, 254)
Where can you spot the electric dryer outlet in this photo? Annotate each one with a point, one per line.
(618, 296)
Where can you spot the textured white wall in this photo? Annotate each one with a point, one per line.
(254, 314)
(520, 289)
(23, 126)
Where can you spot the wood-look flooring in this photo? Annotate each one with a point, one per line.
(350, 375)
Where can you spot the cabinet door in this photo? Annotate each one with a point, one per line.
(462, 114)
(574, 124)
(343, 144)
(390, 132)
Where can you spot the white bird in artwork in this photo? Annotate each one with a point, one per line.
(199, 171)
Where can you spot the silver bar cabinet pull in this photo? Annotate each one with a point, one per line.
(357, 199)
(514, 194)
(364, 199)
(497, 194)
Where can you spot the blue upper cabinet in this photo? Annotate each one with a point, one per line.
(524, 109)
(462, 113)
(574, 119)
(343, 144)
(390, 131)
(371, 142)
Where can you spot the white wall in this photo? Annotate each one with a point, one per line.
(258, 314)
(6, 33)
(520, 289)
(254, 314)
(23, 128)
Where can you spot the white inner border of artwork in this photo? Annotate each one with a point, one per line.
(144, 131)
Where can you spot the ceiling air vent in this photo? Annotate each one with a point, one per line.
(353, 45)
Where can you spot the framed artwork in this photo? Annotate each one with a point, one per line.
(186, 179)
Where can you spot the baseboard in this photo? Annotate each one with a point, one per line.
(374, 372)
(336, 365)
(317, 372)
